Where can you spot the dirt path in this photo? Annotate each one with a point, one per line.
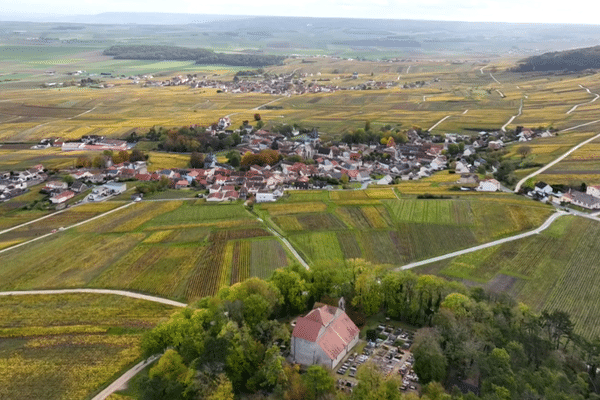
(513, 117)
(124, 293)
(255, 108)
(287, 244)
(123, 379)
(495, 80)
(587, 102)
(439, 122)
(543, 227)
(559, 159)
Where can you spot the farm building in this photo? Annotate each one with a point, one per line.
(324, 336)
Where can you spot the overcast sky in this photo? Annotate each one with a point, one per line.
(573, 11)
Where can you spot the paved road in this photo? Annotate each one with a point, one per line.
(587, 102)
(95, 291)
(496, 80)
(543, 227)
(34, 221)
(120, 383)
(559, 159)
(69, 227)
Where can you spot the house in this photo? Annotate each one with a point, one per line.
(324, 336)
(543, 188)
(593, 191)
(581, 199)
(79, 187)
(55, 185)
(468, 179)
(264, 197)
(181, 184)
(386, 180)
(489, 185)
(62, 197)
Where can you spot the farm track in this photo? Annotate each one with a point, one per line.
(287, 243)
(124, 293)
(123, 379)
(513, 117)
(559, 159)
(68, 227)
(439, 122)
(587, 102)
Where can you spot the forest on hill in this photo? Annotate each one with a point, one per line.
(570, 60)
(201, 56)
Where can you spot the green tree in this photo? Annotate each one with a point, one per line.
(223, 391)
(318, 382)
(196, 160)
(170, 366)
(430, 362)
(292, 287)
(99, 162)
(136, 155)
(68, 179)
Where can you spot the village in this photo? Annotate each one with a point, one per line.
(304, 163)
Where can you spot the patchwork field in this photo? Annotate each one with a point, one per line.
(378, 226)
(67, 346)
(556, 270)
(177, 249)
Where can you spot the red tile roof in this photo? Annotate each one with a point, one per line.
(331, 329)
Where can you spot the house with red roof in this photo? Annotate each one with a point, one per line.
(324, 336)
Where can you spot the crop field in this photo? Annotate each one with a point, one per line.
(400, 230)
(176, 249)
(30, 113)
(583, 165)
(68, 346)
(556, 270)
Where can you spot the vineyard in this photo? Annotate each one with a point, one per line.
(67, 346)
(177, 249)
(556, 270)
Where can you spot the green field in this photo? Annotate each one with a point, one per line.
(174, 249)
(556, 270)
(68, 346)
(381, 228)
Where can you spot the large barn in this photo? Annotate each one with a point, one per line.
(324, 336)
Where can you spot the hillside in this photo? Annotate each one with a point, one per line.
(569, 60)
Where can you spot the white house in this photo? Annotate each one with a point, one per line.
(264, 197)
(489, 185)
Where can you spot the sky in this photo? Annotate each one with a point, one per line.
(537, 11)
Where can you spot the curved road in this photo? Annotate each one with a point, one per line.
(587, 102)
(559, 159)
(95, 291)
(513, 117)
(543, 227)
(120, 383)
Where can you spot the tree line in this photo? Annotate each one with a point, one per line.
(229, 346)
(201, 56)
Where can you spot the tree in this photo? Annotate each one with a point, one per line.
(136, 155)
(120, 157)
(257, 117)
(524, 151)
(68, 179)
(170, 366)
(83, 162)
(291, 285)
(224, 390)
(318, 382)
(196, 160)
(430, 362)
(233, 158)
(99, 162)
(367, 126)
(344, 179)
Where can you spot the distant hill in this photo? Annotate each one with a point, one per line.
(569, 60)
(201, 56)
